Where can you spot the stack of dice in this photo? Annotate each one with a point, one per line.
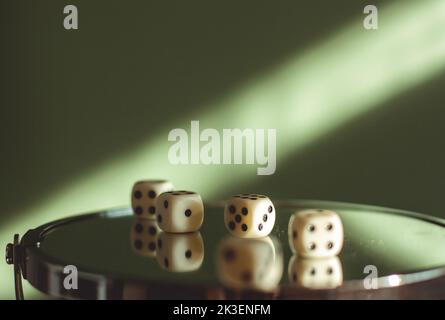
(167, 225)
(315, 238)
(249, 258)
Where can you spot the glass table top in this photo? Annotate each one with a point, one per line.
(398, 247)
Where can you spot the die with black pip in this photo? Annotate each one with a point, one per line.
(179, 211)
(249, 215)
(144, 194)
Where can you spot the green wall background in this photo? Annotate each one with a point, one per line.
(81, 108)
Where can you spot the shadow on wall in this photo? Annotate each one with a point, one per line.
(76, 99)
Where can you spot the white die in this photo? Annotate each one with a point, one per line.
(250, 263)
(322, 273)
(316, 233)
(144, 194)
(249, 215)
(179, 211)
(180, 252)
(143, 237)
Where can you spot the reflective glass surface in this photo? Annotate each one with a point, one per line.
(398, 244)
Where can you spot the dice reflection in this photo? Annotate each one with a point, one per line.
(320, 273)
(143, 236)
(250, 263)
(180, 252)
(179, 211)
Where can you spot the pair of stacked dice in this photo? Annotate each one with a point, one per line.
(179, 214)
(316, 238)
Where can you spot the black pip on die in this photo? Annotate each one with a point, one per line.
(144, 194)
(180, 211)
(249, 215)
